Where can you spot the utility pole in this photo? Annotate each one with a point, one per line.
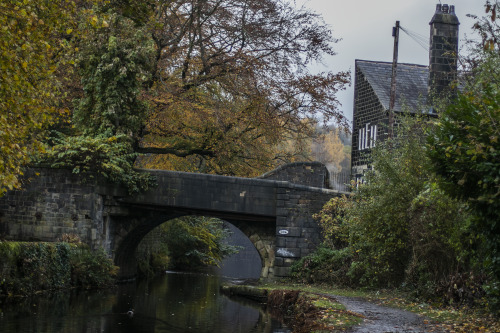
(392, 101)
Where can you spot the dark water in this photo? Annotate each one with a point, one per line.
(175, 302)
(244, 264)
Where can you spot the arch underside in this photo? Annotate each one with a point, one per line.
(128, 231)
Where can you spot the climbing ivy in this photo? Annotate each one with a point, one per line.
(30, 267)
(99, 156)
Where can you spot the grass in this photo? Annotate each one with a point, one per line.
(331, 315)
(334, 315)
(448, 319)
(443, 318)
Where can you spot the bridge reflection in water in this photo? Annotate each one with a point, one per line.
(173, 303)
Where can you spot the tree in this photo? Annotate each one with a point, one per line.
(33, 45)
(99, 157)
(232, 82)
(465, 146)
(488, 28)
(328, 149)
(398, 228)
(115, 57)
(196, 241)
(465, 151)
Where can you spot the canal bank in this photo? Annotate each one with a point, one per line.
(302, 311)
(28, 268)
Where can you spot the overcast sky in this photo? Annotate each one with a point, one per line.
(365, 27)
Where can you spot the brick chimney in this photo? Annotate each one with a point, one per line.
(443, 51)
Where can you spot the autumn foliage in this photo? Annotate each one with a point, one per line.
(33, 46)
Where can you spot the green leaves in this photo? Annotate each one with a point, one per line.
(465, 152)
(398, 228)
(32, 49)
(196, 241)
(100, 156)
(115, 59)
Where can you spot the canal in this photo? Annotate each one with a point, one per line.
(172, 302)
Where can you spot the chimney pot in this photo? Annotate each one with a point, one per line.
(438, 8)
(452, 9)
(445, 9)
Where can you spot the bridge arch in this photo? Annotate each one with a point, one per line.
(273, 212)
(128, 231)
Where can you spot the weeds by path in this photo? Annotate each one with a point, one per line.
(446, 319)
(441, 318)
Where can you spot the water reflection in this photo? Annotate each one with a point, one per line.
(244, 264)
(176, 302)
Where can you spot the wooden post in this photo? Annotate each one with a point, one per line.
(392, 101)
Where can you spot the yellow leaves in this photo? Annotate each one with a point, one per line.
(98, 22)
(27, 44)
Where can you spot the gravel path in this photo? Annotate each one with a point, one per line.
(382, 319)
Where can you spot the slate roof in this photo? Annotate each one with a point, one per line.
(411, 83)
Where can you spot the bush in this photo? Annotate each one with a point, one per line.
(91, 269)
(27, 268)
(196, 241)
(398, 229)
(464, 148)
(111, 158)
(325, 265)
(332, 222)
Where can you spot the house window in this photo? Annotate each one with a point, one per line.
(373, 135)
(367, 131)
(360, 139)
(367, 137)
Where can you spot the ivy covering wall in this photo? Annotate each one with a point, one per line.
(28, 268)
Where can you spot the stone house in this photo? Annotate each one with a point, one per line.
(415, 87)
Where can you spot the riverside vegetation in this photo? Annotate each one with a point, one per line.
(425, 223)
(27, 268)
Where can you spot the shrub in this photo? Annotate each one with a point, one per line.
(398, 229)
(332, 221)
(111, 158)
(464, 148)
(27, 268)
(91, 269)
(325, 265)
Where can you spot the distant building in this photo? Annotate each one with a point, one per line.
(415, 87)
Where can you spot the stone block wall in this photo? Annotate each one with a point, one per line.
(275, 215)
(51, 204)
(297, 233)
(314, 174)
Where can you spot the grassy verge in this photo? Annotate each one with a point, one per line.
(333, 316)
(302, 309)
(444, 319)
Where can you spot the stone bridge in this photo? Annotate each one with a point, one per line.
(274, 211)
